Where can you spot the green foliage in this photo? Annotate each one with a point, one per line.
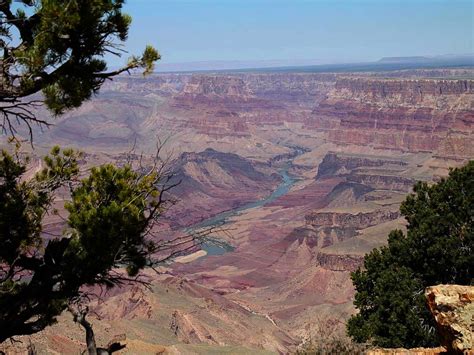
(437, 249)
(61, 48)
(17, 203)
(110, 213)
(24, 275)
(24, 203)
(108, 217)
(147, 60)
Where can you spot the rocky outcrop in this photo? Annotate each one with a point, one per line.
(359, 220)
(342, 165)
(127, 304)
(337, 262)
(320, 237)
(366, 173)
(384, 182)
(453, 309)
(324, 229)
(188, 330)
(347, 193)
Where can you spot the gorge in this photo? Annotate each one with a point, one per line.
(305, 173)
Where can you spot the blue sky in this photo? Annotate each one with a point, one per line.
(298, 30)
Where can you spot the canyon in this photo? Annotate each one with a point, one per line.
(353, 144)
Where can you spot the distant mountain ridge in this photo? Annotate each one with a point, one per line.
(384, 63)
(403, 59)
(446, 58)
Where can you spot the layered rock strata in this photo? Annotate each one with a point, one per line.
(424, 115)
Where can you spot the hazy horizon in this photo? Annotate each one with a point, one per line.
(300, 32)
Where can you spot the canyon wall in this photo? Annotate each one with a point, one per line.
(353, 145)
(423, 115)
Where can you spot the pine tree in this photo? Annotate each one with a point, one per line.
(438, 248)
(57, 47)
(111, 212)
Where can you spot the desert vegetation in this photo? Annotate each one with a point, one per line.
(436, 249)
(53, 56)
(108, 240)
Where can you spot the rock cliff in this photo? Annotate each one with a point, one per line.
(422, 115)
(211, 182)
(453, 309)
(360, 220)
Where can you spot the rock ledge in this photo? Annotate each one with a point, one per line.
(453, 309)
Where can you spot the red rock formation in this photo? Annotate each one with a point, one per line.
(211, 182)
(226, 94)
(289, 88)
(384, 182)
(360, 220)
(410, 115)
(339, 164)
(411, 90)
(336, 262)
(128, 304)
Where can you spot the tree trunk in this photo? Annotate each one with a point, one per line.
(80, 317)
(92, 349)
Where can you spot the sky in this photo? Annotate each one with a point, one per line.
(298, 31)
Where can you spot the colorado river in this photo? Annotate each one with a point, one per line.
(218, 247)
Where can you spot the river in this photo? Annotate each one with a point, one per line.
(215, 246)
